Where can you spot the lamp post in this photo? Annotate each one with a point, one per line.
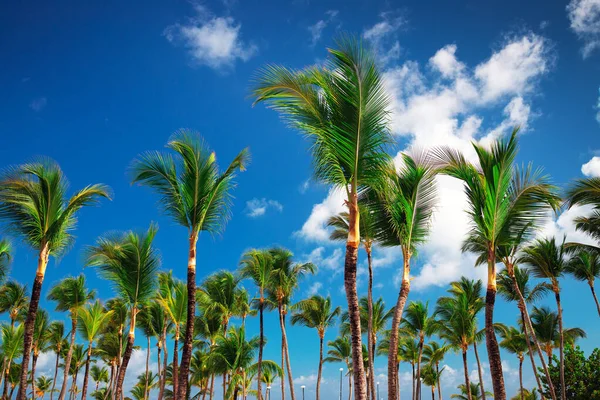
(341, 378)
(378, 391)
(302, 391)
(268, 392)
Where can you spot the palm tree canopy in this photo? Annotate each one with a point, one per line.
(434, 353)
(417, 321)
(12, 340)
(217, 295)
(286, 276)
(522, 276)
(5, 258)
(475, 390)
(513, 340)
(340, 350)
(172, 296)
(130, 262)
(545, 325)
(316, 312)
(545, 259)
(584, 265)
(258, 266)
(92, 320)
(14, 298)
(71, 294)
(35, 207)
(192, 190)
(99, 374)
(342, 108)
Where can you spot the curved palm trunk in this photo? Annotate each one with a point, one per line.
(466, 369)
(491, 342)
(370, 341)
(530, 352)
(562, 340)
(393, 382)
(186, 354)
(86, 373)
(176, 382)
(287, 360)
(36, 292)
(33, 364)
(360, 383)
(320, 366)
(479, 371)
(521, 377)
(67, 366)
(55, 374)
(591, 283)
(261, 344)
(126, 356)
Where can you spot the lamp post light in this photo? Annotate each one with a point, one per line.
(268, 392)
(303, 391)
(341, 378)
(378, 391)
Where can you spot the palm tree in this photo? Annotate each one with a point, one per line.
(473, 392)
(91, 321)
(34, 206)
(197, 195)
(431, 377)
(40, 340)
(585, 266)
(70, 295)
(434, 353)
(145, 324)
(110, 351)
(117, 322)
(503, 201)
(546, 327)
(42, 385)
(318, 313)
(12, 345)
(408, 351)
(340, 351)
(342, 109)
(5, 258)
(258, 266)
(285, 278)
(418, 323)
(14, 300)
(515, 342)
(546, 260)
(57, 342)
(77, 362)
(130, 263)
(99, 375)
(586, 192)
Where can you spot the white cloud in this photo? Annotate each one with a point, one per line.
(309, 380)
(212, 41)
(315, 229)
(517, 113)
(564, 225)
(304, 187)
(258, 207)
(446, 63)
(314, 289)
(38, 104)
(592, 167)
(382, 33)
(584, 16)
(319, 257)
(316, 30)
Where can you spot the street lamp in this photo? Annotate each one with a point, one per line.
(302, 391)
(341, 377)
(268, 392)
(378, 390)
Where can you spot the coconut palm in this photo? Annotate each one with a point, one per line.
(585, 266)
(316, 312)
(35, 207)
(56, 342)
(503, 200)
(91, 321)
(99, 375)
(130, 262)
(5, 258)
(545, 324)
(515, 342)
(11, 346)
(14, 300)
(42, 386)
(40, 340)
(433, 354)
(244, 305)
(157, 323)
(110, 351)
(117, 322)
(431, 377)
(197, 196)
(77, 361)
(144, 323)
(258, 266)
(342, 109)
(340, 351)
(70, 294)
(546, 260)
(473, 392)
(208, 327)
(586, 192)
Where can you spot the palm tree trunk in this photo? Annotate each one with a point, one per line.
(393, 383)
(595, 298)
(530, 352)
(111, 381)
(320, 366)
(212, 386)
(163, 379)
(73, 386)
(147, 369)
(175, 363)
(287, 360)
(421, 341)
(371, 353)
(158, 351)
(360, 384)
(521, 377)
(86, 373)
(490, 335)
(126, 355)
(280, 311)
(414, 382)
(55, 374)
(186, 354)
(439, 385)
(5, 389)
(479, 370)
(466, 369)
(33, 363)
(261, 344)
(349, 384)
(36, 292)
(432, 393)
(562, 341)
(67, 366)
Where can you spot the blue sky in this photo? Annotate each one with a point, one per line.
(93, 84)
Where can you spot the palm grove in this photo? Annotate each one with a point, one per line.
(342, 109)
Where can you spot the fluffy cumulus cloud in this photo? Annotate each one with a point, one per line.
(315, 227)
(258, 207)
(584, 16)
(316, 30)
(211, 40)
(592, 167)
(325, 259)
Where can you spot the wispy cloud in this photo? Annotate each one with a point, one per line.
(38, 104)
(584, 16)
(316, 29)
(382, 36)
(258, 207)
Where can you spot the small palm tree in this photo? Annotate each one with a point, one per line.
(70, 295)
(585, 266)
(433, 354)
(14, 300)
(91, 321)
(197, 196)
(5, 258)
(99, 375)
(545, 324)
(586, 192)
(130, 262)
(77, 361)
(431, 377)
(343, 109)
(317, 313)
(34, 205)
(43, 385)
(473, 392)
(515, 342)
(340, 351)
(12, 345)
(56, 342)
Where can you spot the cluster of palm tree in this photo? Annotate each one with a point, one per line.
(342, 108)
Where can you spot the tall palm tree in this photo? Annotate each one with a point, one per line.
(91, 321)
(418, 323)
(40, 340)
(42, 386)
(285, 278)
(5, 258)
(14, 300)
(545, 324)
(197, 196)
(70, 294)
(316, 312)
(11, 346)
(258, 266)
(130, 262)
(35, 207)
(585, 266)
(340, 351)
(503, 200)
(546, 260)
(99, 375)
(57, 342)
(515, 342)
(342, 109)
